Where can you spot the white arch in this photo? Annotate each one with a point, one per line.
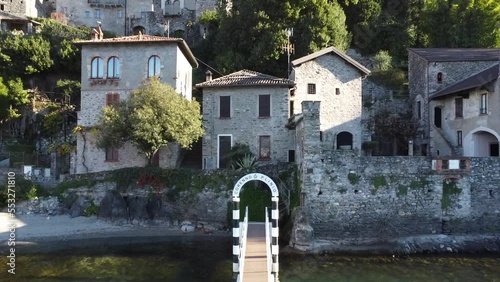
(255, 176)
(468, 142)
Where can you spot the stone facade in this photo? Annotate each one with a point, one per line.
(432, 70)
(338, 85)
(124, 17)
(354, 200)
(244, 125)
(29, 8)
(133, 55)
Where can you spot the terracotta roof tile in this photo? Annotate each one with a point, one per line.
(246, 78)
(144, 38)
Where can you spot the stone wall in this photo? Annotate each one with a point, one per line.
(365, 199)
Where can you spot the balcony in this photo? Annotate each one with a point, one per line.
(107, 3)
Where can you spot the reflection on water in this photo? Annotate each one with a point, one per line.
(209, 259)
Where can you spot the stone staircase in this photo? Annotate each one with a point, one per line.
(455, 150)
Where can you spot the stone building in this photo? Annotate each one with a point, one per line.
(111, 69)
(334, 79)
(455, 97)
(250, 108)
(125, 17)
(14, 14)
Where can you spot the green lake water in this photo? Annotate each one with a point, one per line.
(208, 259)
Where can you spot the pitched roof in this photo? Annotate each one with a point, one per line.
(144, 38)
(246, 78)
(457, 54)
(474, 81)
(337, 52)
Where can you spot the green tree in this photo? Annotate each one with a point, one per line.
(153, 116)
(13, 97)
(462, 23)
(253, 33)
(22, 56)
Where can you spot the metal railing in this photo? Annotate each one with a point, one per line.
(270, 276)
(243, 246)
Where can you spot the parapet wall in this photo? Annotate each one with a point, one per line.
(359, 199)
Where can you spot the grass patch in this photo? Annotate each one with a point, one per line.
(450, 189)
(256, 197)
(93, 209)
(76, 183)
(401, 191)
(353, 178)
(419, 184)
(378, 181)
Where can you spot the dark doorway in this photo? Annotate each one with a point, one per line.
(344, 140)
(494, 152)
(437, 117)
(224, 151)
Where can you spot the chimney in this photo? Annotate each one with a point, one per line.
(208, 75)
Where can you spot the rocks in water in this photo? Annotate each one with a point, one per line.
(187, 228)
(79, 206)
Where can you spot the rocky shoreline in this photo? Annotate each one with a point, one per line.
(412, 245)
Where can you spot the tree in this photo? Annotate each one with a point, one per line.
(12, 98)
(22, 56)
(462, 23)
(153, 116)
(253, 33)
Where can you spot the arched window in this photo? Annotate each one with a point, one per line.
(440, 77)
(344, 140)
(97, 68)
(154, 66)
(113, 67)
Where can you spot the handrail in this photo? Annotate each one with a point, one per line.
(243, 245)
(268, 250)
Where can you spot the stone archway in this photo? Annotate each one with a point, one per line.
(480, 142)
(274, 216)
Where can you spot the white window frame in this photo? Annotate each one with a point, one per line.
(483, 104)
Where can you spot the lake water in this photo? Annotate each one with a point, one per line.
(199, 258)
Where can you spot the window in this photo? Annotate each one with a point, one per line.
(120, 13)
(154, 66)
(265, 147)
(97, 13)
(311, 88)
(344, 140)
(440, 77)
(87, 14)
(484, 104)
(291, 156)
(112, 99)
(419, 109)
(291, 108)
(2, 7)
(459, 138)
(97, 68)
(113, 67)
(111, 154)
(337, 91)
(459, 107)
(264, 105)
(321, 136)
(225, 107)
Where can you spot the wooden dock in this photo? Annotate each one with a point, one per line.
(255, 268)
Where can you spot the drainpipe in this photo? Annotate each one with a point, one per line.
(126, 19)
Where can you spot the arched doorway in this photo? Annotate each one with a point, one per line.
(138, 29)
(482, 142)
(274, 216)
(344, 140)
